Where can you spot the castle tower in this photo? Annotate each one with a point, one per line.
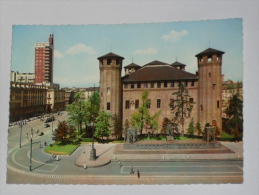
(111, 89)
(131, 68)
(210, 87)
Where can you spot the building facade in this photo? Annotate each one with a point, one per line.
(27, 100)
(161, 80)
(44, 61)
(22, 77)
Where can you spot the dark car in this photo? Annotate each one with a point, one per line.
(46, 125)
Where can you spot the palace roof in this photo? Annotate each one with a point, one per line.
(151, 72)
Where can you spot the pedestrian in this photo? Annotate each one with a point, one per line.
(45, 143)
(40, 145)
(132, 171)
(138, 175)
(84, 165)
(57, 158)
(120, 163)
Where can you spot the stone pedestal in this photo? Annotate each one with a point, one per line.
(93, 154)
(169, 139)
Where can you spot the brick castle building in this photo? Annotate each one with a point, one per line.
(121, 96)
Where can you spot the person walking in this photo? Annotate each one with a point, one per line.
(120, 163)
(138, 175)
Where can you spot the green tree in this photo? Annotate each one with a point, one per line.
(234, 113)
(92, 112)
(102, 126)
(142, 117)
(77, 111)
(191, 127)
(198, 128)
(181, 106)
(63, 132)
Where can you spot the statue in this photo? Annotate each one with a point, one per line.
(131, 136)
(169, 129)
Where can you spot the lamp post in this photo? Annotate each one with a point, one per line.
(93, 150)
(52, 121)
(31, 137)
(21, 133)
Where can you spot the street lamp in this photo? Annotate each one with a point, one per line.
(31, 137)
(21, 133)
(93, 150)
(52, 121)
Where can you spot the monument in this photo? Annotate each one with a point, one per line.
(169, 137)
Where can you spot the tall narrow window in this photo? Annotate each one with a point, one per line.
(139, 85)
(186, 83)
(165, 84)
(117, 61)
(209, 74)
(191, 100)
(201, 108)
(158, 103)
(109, 61)
(152, 85)
(172, 84)
(108, 90)
(218, 104)
(127, 104)
(132, 85)
(136, 104)
(158, 85)
(145, 85)
(178, 84)
(108, 105)
(126, 86)
(213, 86)
(192, 83)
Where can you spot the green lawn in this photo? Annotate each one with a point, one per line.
(61, 149)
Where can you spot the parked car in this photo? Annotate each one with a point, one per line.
(46, 125)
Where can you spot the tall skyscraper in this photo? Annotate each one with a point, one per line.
(44, 61)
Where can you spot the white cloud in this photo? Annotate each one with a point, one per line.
(174, 36)
(146, 51)
(80, 48)
(57, 54)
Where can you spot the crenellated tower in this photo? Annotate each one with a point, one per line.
(111, 89)
(210, 87)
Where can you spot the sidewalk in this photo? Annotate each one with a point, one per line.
(109, 152)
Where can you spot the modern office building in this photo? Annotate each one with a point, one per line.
(44, 61)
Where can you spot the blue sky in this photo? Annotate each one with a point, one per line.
(77, 47)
